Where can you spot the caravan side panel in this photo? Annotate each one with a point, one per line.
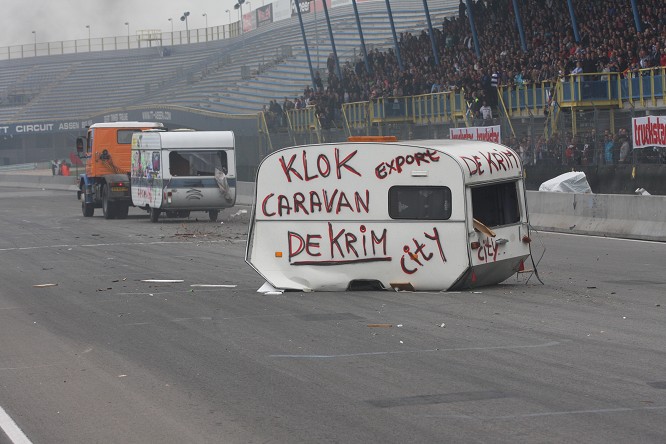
(327, 215)
(146, 171)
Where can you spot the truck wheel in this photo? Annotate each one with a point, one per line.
(212, 215)
(87, 209)
(122, 210)
(154, 214)
(108, 207)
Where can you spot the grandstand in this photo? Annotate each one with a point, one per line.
(553, 115)
(234, 76)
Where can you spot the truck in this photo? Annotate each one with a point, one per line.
(176, 172)
(375, 213)
(106, 149)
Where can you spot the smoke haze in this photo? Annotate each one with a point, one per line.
(66, 20)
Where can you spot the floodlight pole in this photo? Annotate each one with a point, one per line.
(305, 43)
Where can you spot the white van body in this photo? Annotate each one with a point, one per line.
(181, 171)
(396, 214)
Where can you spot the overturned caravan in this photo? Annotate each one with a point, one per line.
(418, 215)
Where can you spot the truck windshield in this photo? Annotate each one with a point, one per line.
(124, 137)
(496, 204)
(197, 163)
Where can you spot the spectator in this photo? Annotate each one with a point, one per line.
(625, 147)
(608, 147)
(486, 113)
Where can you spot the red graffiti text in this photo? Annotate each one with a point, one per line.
(310, 169)
(338, 245)
(415, 258)
(385, 169)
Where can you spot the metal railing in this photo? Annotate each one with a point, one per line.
(644, 87)
(142, 39)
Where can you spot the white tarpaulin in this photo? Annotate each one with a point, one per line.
(573, 182)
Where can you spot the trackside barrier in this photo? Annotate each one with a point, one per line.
(616, 215)
(32, 181)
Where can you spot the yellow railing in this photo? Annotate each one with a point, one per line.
(606, 90)
(438, 108)
(356, 115)
(645, 88)
(302, 120)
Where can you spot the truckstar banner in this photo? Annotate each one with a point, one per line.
(485, 133)
(649, 131)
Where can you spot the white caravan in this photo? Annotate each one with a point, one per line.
(417, 215)
(176, 172)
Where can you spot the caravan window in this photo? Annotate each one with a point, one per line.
(496, 204)
(427, 203)
(197, 163)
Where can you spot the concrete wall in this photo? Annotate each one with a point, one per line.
(18, 180)
(626, 216)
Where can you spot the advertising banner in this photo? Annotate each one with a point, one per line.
(485, 133)
(318, 5)
(264, 15)
(304, 4)
(249, 21)
(649, 131)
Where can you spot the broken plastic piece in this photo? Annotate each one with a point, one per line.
(269, 289)
(223, 184)
(44, 285)
(480, 226)
(402, 286)
(163, 281)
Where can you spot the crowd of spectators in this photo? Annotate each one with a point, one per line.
(608, 42)
(590, 148)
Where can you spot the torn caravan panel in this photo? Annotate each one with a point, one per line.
(398, 214)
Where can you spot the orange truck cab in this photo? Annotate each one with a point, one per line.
(106, 150)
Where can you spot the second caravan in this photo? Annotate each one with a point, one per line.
(176, 172)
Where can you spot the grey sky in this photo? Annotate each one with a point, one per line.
(67, 20)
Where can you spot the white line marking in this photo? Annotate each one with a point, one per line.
(506, 347)
(41, 247)
(13, 432)
(214, 320)
(538, 415)
(213, 285)
(27, 367)
(600, 237)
